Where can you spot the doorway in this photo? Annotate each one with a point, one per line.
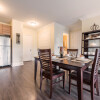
(65, 42)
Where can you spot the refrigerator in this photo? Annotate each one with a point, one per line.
(5, 51)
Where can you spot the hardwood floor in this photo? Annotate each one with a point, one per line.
(17, 83)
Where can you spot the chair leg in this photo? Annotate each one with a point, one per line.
(97, 87)
(50, 89)
(69, 81)
(64, 81)
(92, 91)
(41, 78)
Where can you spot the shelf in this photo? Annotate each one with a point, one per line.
(92, 47)
(88, 55)
(85, 44)
(91, 32)
(91, 39)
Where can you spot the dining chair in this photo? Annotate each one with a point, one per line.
(72, 52)
(89, 78)
(49, 71)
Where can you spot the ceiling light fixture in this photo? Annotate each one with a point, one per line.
(34, 23)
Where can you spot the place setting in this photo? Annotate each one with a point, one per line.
(81, 59)
(70, 56)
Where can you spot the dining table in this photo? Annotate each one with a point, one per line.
(69, 64)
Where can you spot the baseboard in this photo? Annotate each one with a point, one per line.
(29, 60)
(17, 64)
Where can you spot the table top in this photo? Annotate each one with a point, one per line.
(69, 62)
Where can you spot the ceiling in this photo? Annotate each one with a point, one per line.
(65, 12)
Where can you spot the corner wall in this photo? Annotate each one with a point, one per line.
(75, 35)
(59, 30)
(75, 40)
(51, 36)
(17, 49)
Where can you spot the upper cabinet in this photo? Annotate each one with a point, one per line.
(1, 29)
(5, 29)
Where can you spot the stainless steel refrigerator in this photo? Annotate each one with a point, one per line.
(5, 51)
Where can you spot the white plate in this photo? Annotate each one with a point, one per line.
(53, 57)
(82, 59)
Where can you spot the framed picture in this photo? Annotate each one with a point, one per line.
(17, 38)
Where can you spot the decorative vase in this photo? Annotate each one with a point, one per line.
(61, 52)
(61, 55)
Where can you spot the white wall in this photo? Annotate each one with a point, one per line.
(75, 34)
(46, 37)
(51, 36)
(17, 49)
(58, 37)
(33, 33)
(75, 40)
(87, 23)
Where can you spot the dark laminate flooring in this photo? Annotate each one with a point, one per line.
(17, 83)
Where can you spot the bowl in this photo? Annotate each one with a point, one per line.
(53, 57)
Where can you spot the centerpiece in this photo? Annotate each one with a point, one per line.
(61, 51)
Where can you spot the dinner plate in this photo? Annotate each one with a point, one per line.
(82, 59)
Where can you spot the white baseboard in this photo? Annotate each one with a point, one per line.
(17, 64)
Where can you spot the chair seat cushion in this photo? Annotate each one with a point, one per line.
(56, 73)
(86, 76)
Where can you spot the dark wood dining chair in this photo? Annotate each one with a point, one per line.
(49, 71)
(89, 78)
(72, 52)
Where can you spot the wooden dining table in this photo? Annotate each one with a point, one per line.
(68, 64)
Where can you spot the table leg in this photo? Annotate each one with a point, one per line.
(80, 84)
(35, 69)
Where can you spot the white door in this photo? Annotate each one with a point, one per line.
(27, 48)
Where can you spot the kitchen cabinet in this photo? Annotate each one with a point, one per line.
(5, 29)
(1, 29)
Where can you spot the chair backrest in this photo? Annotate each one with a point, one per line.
(72, 52)
(45, 59)
(95, 65)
